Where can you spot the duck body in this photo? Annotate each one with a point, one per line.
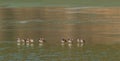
(63, 40)
(69, 41)
(27, 40)
(18, 40)
(41, 40)
(31, 40)
(80, 41)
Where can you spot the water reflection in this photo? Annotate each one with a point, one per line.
(40, 44)
(18, 44)
(80, 44)
(69, 45)
(25, 44)
(32, 45)
(56, 52)
(62, 44)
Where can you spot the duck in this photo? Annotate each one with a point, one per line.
(18, 40)
(63, 40)
(31, 40)
(41, 40)
(27, 40)
(80, 40)
(23, 40)
(69, 41)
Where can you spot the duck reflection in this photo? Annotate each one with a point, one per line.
(80, 44)
(31, 45)
(40, 44)
(70, 45)
(27, 44)
(18, 44)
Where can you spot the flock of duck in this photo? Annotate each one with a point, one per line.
(71, 40)
(42, 40)
(80, 42)
(29, 41)
(19, 40)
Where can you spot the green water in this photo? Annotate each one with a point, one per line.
(9, 51)
(65, 3)
(101, 33)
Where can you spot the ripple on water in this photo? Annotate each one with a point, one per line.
(1, 49)
(1, 58)
(27, 21)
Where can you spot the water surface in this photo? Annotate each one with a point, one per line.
(99, 30)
